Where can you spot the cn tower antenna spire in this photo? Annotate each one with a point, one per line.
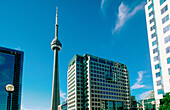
(56, 24)
(56, 47)
(56, 16)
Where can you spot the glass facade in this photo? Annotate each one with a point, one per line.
(160, 91)
(166, 29)
(153, 35)
(165, 19)
(158, 75)
(154, 42)
(168, 60)
(167, 39)
(156, 66)
(150, 6)
(146, 102)
(153, 27)
(163, 10)
(159, 83)
(155, 50)
(168, 49)
(111, 105)
(162, 1)
(6, 76)
(156, 58)
(151, 13)
(11, 63)
(152, 20)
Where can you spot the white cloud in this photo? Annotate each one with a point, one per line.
(122, 16)
(143, 95)
(62, 95)
(125, 14)
(138, 85)
(103, 6)
(140, 73)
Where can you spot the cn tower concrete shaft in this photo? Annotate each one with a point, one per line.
(56, 47)
(55, 91)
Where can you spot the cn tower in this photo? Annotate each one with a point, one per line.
(56, 47)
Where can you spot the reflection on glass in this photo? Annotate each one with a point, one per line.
(111, 105)
(6, 77)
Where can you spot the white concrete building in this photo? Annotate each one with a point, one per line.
(158, 27)
(97, 84)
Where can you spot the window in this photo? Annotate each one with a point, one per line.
(167, 49)
(160, 91)
(156, 58)
(155, 50)
(165, 19)
(167, 39)
(150, 6)
(168, 60)
(166, 29)
(169, 71)
(154, 42)
(153, 27)
(159, 83)
(93, 59)
(158, 74)
(101, 61)
(152, 20)
(156, 66)
(164, 9)
(151, 13)
(162, 1)
(153, 35)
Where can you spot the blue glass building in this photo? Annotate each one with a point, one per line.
(11, 66)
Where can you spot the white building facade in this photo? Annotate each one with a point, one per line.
(97, 84)
(158, 28)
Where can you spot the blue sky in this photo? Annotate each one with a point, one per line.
(111, 29)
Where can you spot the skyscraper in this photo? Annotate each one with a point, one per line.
(158, 28)
(11, 65)
(97, 84)
(55, 46)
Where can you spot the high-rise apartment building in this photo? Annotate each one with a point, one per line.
(11, 65)
(97, 84)
(158, 27)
